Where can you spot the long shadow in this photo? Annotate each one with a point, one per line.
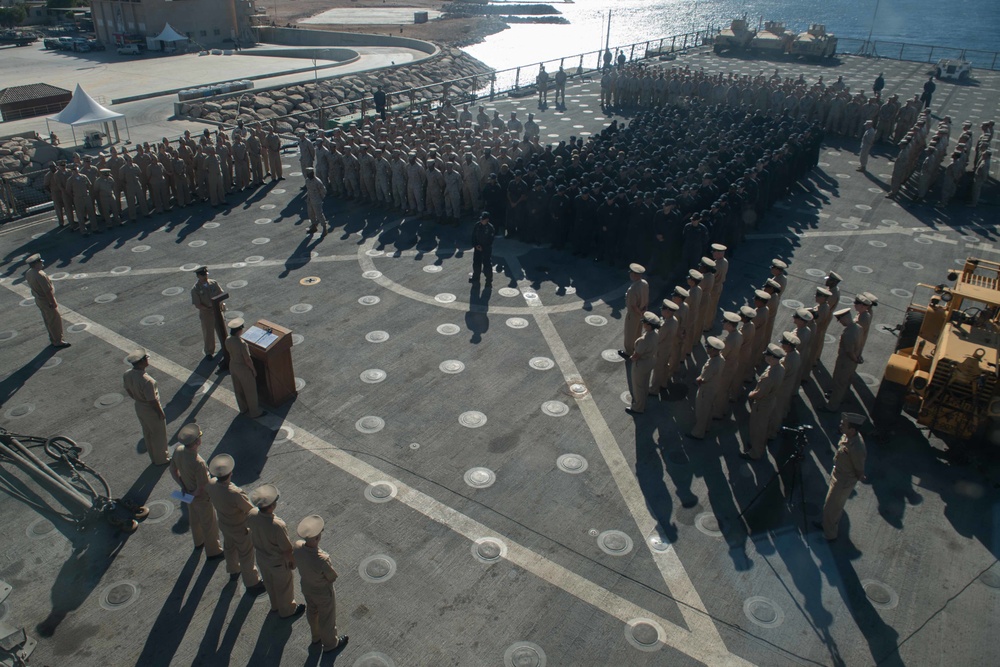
(274, 634)
(301, 256)
(11, 384)
(797, 554)
(233, 630)
(836, 564)
(649, 473)
(476, 318)
(248, 442)
(207, 653)
(167, 632)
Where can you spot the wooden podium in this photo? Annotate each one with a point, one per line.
(271, 349)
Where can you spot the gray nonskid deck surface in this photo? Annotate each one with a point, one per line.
(908, 569)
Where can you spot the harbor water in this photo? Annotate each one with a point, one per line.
(963, 24)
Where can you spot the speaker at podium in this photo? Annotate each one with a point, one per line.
(271, 350)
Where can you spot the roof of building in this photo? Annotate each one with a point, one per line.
(32, 91)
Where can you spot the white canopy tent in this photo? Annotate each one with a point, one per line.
(168, 36)
(84, 110)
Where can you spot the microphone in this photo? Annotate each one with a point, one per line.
(796, 429)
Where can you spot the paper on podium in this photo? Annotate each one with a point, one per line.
(259, 336)
(186, 498)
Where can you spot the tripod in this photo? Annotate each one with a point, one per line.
(795, 461)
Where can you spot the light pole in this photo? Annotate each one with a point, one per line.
(871, 29)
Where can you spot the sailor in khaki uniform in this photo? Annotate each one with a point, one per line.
(666, 344)
(232, 506)
(721, 271)
(679, 296)
(242, 371)
(789, 389)
(822, 318)
(317, 575)
(848, 470)
(802, 319)
(707, 269)
(693, 336)
(733, 339)
(749, 331)
(201, 296)
(636, 302)
(643, 359)
(274, 551)
(864, 304)
(190, 472)
(773, 288)
(709, 381)
(141, 388)
(763, 397)
(760, 337)
(45, 298)
(848, 358)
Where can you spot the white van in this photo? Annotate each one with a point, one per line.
(129, 50)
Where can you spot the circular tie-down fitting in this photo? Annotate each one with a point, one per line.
(370, 424)
(297, 338)
(472, 419)
(577, 389)
(645, 634)
(555, 408)
(371, 659)
(524, 654)
(507, 292)
(479, 477)
(371, 275)
(237, 284)
(816, 273)
(612, 356)
(380, 492)
(159, 511)
(369, 300)
(615, 543)
(141, 248)
(300, 308)
(105, 298)
(119, 595)
(151, 320)
(108, 400)
(172, 291)
(373, 376)
(448, 329)
(541, 363)
(763, 611)
(879, 594)
(432, 268)
(489, 550)
(309, 281)
(7, 335)
(596, 320)
(22, 410)
(517, 322)
(40, 528)
(285, 433)
(574, 464)
(451, 366)
(657, 542)
(377, 569)
(377, 336)
(708, 523)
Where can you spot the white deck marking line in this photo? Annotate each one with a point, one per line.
(710, 651)
(671, 569)
(667, 562)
